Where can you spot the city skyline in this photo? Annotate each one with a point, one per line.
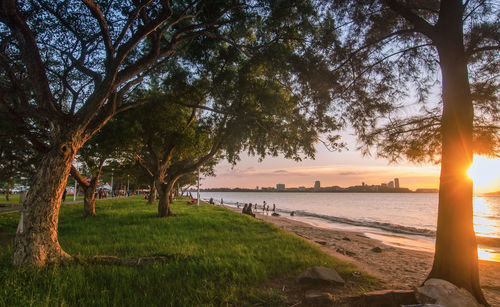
(346, 168)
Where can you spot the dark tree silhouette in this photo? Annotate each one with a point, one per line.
(383, 50)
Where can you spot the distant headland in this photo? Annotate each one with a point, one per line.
(390, 187)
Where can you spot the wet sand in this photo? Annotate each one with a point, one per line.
(397, 268)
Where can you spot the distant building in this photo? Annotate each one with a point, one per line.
(317, 185)
(302, 189)
(384, 185)
(362, 184)
(390, 185)
(280, 187)
(396, 183)
(257, 188)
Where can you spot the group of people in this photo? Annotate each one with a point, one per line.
(247, 209)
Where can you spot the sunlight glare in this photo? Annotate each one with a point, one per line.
(485, 174)
(488, 254)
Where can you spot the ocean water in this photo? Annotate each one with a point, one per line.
(406, 220)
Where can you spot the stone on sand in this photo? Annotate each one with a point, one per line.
(320, 274)
(444, 293)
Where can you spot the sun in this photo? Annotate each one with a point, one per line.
(485, 174)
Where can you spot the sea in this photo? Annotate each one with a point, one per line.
(406, 220)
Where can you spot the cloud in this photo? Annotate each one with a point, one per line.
(349, 173)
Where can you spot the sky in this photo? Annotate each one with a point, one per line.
(343, 169)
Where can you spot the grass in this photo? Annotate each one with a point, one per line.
(220, 258)
(14, 199)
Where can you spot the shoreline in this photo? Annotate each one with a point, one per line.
(395, 267)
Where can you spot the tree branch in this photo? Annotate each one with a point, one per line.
(420, 24)
(78, 177)
(30, 54)
(103, 25)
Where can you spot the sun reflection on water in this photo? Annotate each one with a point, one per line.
(486, 217)
(488, 254)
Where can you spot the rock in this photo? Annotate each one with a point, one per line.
(442, 292)
(376, 249)
(346, 239)
(342, 251)
(321, 242)
(320, 274)
(350, 254)
(318, 298)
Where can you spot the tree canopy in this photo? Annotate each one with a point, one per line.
(385, 57)
(383, 52)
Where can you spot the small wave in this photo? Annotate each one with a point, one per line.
(395, 228)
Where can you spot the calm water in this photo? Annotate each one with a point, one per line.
(410, 216)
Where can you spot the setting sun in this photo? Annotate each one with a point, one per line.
(485, 174)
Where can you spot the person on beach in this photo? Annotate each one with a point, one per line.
(274, 207)
(292, 213)
(211, 201)
(238, 204)
(221, 201)
(249, 211)
(255, 208)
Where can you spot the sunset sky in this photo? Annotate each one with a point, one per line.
(344, 169)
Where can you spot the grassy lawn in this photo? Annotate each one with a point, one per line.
(14, 198)
(219, 258)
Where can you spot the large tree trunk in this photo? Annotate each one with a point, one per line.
(164, 190)
(152, 193)
(89, 198)
(36, 242)
(455, 259)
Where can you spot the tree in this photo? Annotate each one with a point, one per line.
(252, 102)
(112, 142)
(382, 50)
(67, 68)
(169, 133)
(17, 158)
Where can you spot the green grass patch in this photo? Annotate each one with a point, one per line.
(15, 199)
(221, 257)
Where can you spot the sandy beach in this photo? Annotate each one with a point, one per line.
(397, 268)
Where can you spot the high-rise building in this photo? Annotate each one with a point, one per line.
(317, 185)
(396, 183)
(390, 184)
(280, 187)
